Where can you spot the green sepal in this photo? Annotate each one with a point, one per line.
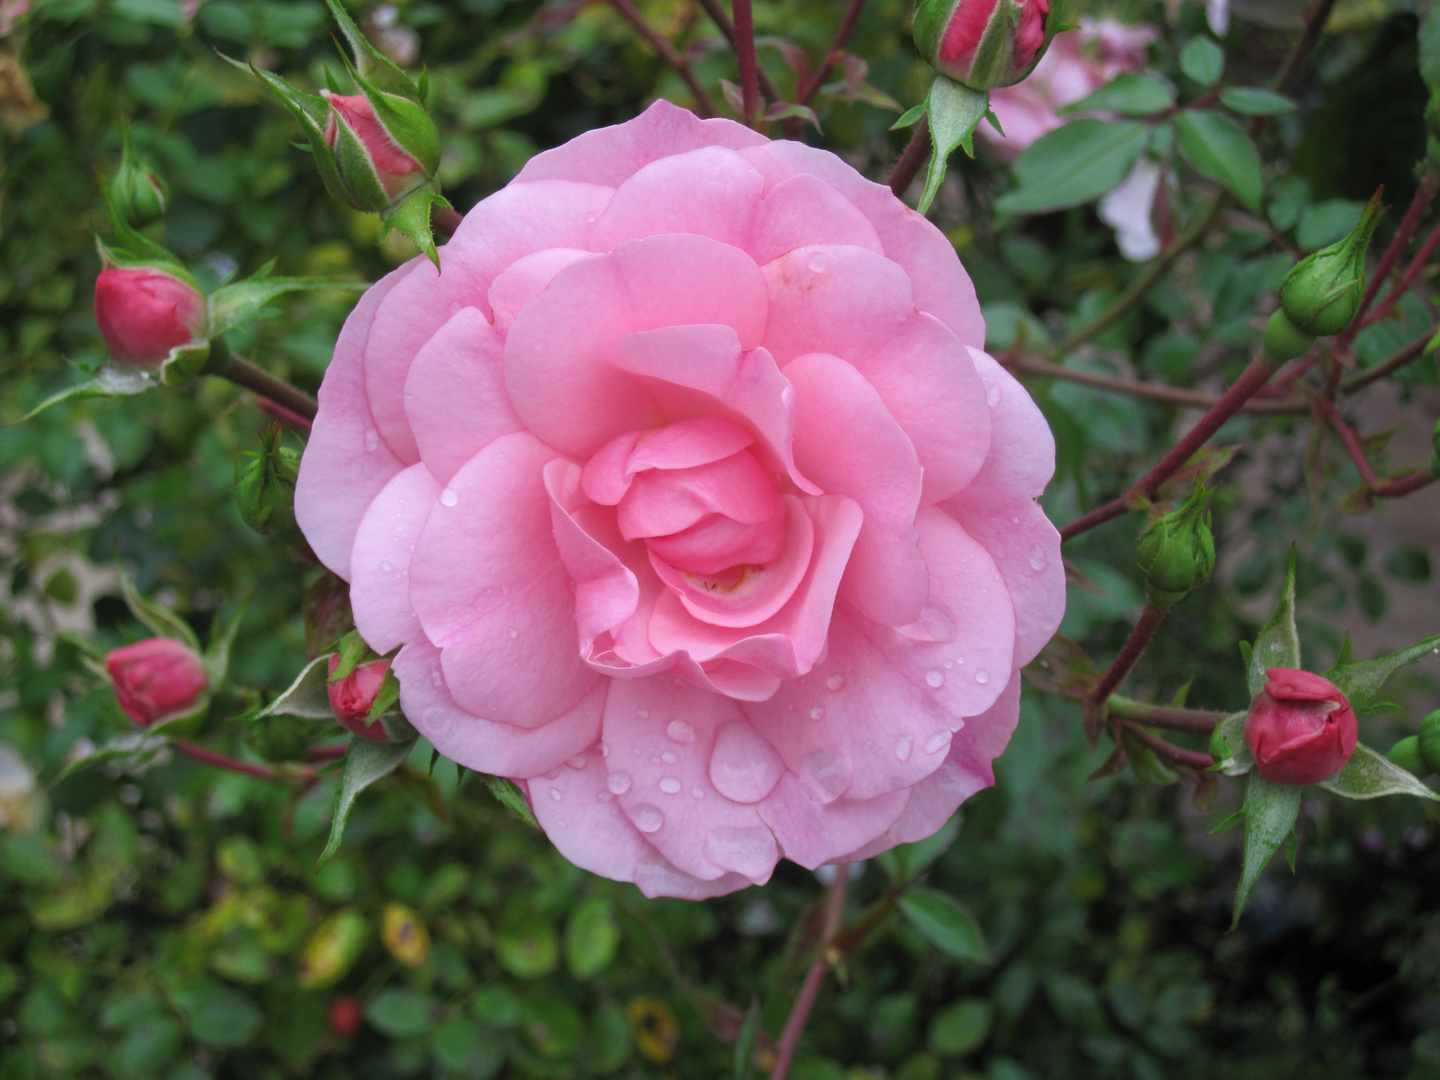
(1278, 644)
(366, 761)
(405, 120)
(138, 750)
(953, 111)
(411, 215)
(911, 116)
(112, 381)
(232, 305)
(1362, 681)
(1228, 822)
(305, 698)
(1292, 849)
(134, 248)
(1271, 811)
(509, 795)
(1368, 775)
(184, 363)
(162, 621)
(353, 652)
(378, 68)
(1229, 748)
(312, 112)
(357, 172)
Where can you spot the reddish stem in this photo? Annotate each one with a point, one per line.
(1397, 489)
(661, 44)
(332, 752)
(807, 88)
(911, 159)
(745, 53)
(222, 761)
(815, 977)
(1348, 437)
(281, 413)
(261, 382)
(1150, 619)
(1407, 279)
(1198, 721)
(1408, 224)
(1195, 399)
(727, 28)
(1168, 750)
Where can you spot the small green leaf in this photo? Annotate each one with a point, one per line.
(111, 382)
(1368, 775)
(1271, 811)
(747, 1041)
(306, 697)
(592, 937)
(235, 304)
(402, 1014)
(136, 750)
(960, 1028)
(953, 112)
(161, 620)
(509, 795)
(1430, 48)
(945, 923)
(411, 215)
(365, 762)
(1361, 682)
(1228, 822)
(1292, 849)
(1203, 61)
(784, 110)
(1252, 102)
(1128, 94)
(527, 946)
(1278, 644)
(911, 116)
(1074, 164)
(1220, 149)
(219, 1016)
(1229, 748)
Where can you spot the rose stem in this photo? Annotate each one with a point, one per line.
(727, 28)
(1347, 436)
(1196, 399)
(808, 87)
(1405, 485)
(1199, 721)
(220, 761)
(1315, 20)
(279, 412)
(810, 988)
(1407, 279)
(1242, 390)
(913, 157)
(1168, 750)
(1429, 184)
(257, 380)
(745, 53)
(671, 55)
(1150, 619)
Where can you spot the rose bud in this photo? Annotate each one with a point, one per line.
(1300, 728)
(136, 190)
(981, 43)
(156, 679)
(353, 696)
(346, 1014)
(1321, 294)
(1427, 744)
(265, 488)
(1177, 551)
(146, 313)
(375, 169)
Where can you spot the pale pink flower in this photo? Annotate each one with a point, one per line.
(693, 505)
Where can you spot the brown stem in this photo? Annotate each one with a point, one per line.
(671, 55)
(221, 761)
(745, 53)
(1168, 751)
(1424, 193)
(259, 381)
(727, 28)
(1197, 399)
(1199, 721)
(1150, 619)
(911, 159)
(825, 959)
(1252, 379)
(1315, 20)
(808, 87)
(1407, 355)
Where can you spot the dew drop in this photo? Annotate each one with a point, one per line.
(1015, 520)
(697, 793)
(1038, 562)
(386, 567)
(817, 713)
(903, 747)
(448, 497)
(372, 440)
(680, 731)
(643, 714)
(982, 676)
(435, 677)
(835, 682)
(959, 660)
(827, 774)
(618, 782)
(668, 757)
(670, 785)
(590, 218)
(935, 679)
(743, 766)
(648, 818)
(512, 631)
(937, 742)
(817, 263)
(992, 396)
(555, 793)
(949, 664)
(604, 749)
(577, 762)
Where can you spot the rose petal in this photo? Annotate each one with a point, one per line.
(491, 592)
(813, 833)
(710, 192)
(802, 211)
(525, 279)
(380, 562)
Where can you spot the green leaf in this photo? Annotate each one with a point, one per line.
(365, 762)
(1368, 775)
(784, 110)
(1129, 95)
(1253, 102)
(953, 111)
(402, 1014)
(1229, 748)
(509, 795)
(592, 937)
(747, 1041)
(238, 303)
(162, 621)
(1278, 644)
(1220, 149)
(111, 382)
(945, 923)
(1074, 164)
(960, 1028)
(137, 750)
(219, 1016)
(1361, 682)
(527, 946)
(1430, 48)
(306, 697)
(911, 116)
(1228, 822)
(1271, 811)
(1203, 61)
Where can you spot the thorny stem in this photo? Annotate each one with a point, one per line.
(825, 958)
(1168, 750)
(197, 752)
(1150, 619)
(727, 29)
(1315, 20)
(1242, 390)
(259, 381)
(1197, 399)
(671, 55)
(745, 53)
(808, 87)
(911, 159)
(1198, 721)
(1424, 193)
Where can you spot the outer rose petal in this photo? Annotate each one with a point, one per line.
(380, 562)
(612, 155)
(711, 192)
(486, 745)
(345, 464)
(491, 592)
(812, 833)
(558, 355)
(804, 210)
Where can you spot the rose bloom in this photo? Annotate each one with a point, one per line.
(156, 679)
(145, 313)
(1301, 728)
(693, 505)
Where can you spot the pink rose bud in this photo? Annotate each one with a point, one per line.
(981, 43)
(144, 313)
(352, 697)
(1300, 728)
(156, 679)
(393, 166)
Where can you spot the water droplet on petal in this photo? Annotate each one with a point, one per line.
(750, 851)
(835, 682)
(697, 793)
(555, 793)
(436, 678)
(817, 713)
(1015, 520)
(386, 567)
(681, 731)
(643, 714)
(903, 747)
(648, 818)
(668, 757)
(937, 742)
(743, 766)
(982, 676)
(619, 782)
(604, 749)
(992, 396)
(448, 498)
(372, 440)
(512, 631)
(669, 785)
(577, 762)
(590, 218)
(935, 679)
(827, 774)
(817, 263)
(1038, 562)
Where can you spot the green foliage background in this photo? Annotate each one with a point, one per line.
(151, 923)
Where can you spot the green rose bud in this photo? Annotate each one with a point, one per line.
(1177, 552)
(136, 190)
(1284, 340)
(982, 44)
(265, 488)
(1321, 294)
(1406, 754)
(1429, 743)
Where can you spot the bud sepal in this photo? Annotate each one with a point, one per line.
(265, 488)
(1321, 294)
(1177, 550)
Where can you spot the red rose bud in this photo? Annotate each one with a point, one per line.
(146, 313)
(394, 168)
(1300, 728)
(982, 43)
(346, 1014)
(156, 679)
(352, 697)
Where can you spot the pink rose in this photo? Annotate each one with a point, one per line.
(694, 504)
(145, 313)
(156, 679)
(394, 168)
(352, 697)
(1301, 728)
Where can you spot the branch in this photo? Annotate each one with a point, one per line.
(825, 959)
(1197, 721)
(807, 88)
(1315, 20)
(259, 381)
(1168, 751)
(1405, 485)
(727, 29)
(1424, 193)
(196, 752)
(1347, 436)
(1150, 619)
(745, 53)
(1197, 399)
(911, 159)
(703, 105)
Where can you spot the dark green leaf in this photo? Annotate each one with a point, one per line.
(509, 795)
(1203, 61)
(1219, 149)
(592, 937)
(365, 762)
(1361, 682)
(1129, 94)
(945, 923)
(402, 1014)
(1252, 102)
(1074, 164)
(111, 382)
(1271, 811)
(219, 1016)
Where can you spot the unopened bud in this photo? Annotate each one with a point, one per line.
(1321, 294)
(265, 487)
(1428, 743)
(1300, 728)
(1284, 340)
(376, 169)
(982, 44)
(146, 313)
(332, 950)
(1406, 754)
(157, 679)
(354, 696)
(1177, 551)
(136, 190)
